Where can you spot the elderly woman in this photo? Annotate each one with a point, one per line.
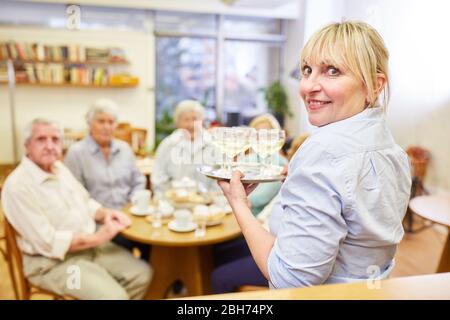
(339, 214)
(105, 166)
(179, 154)
(265, 192)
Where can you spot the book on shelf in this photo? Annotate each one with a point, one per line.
(3, 73)
(39, 63)
(59, 53)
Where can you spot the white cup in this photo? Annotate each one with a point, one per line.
(182, 218)
(141, 200)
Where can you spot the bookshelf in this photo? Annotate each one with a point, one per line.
(65, 66)
(68, 85)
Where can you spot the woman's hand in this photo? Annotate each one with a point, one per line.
(235, 191)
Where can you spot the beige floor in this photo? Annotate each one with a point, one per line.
(417, 254)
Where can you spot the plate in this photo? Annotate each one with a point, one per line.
(134, 210)
(175, 227)
(251, 172)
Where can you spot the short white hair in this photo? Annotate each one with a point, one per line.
(188, 106)
(103, 105)
(28, 131)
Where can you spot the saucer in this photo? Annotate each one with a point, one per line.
(134, 210)
(175, 227)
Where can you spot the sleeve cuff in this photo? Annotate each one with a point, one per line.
(93, 206)
(61, 244)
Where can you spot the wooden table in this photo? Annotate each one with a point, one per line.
(437, 209)
(180, 255)
(435, 286)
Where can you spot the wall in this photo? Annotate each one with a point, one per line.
(69, 105)
(283, 9)
(416, 34)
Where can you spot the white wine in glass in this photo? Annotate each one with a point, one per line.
(267, 142)
(218, 139)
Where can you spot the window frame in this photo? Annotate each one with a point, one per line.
(221, 36)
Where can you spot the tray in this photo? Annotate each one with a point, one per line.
(251, 172)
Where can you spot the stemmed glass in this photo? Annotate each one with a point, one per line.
(267, 142)
(243, 139)
(218, 139)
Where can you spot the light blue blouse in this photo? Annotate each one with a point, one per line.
(340, 211)
(113, 182)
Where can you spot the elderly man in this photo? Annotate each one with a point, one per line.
(56, 220)
(105, 166)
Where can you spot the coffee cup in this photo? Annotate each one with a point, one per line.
(182, 218)
(165, 208)
(141, 200)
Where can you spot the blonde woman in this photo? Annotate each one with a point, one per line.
(265, 192)
(340, 209)
(238, 267)
(265, 121)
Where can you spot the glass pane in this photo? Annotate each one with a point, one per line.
(184, 22)
(252, 25)
(112, 18)
(249, 66)
(185, 69)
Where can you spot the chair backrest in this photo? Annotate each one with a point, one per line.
(420, 158)
(138, 137)
(16, 262)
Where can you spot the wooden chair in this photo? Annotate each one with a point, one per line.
(4, 251)
(138, 138)
(23, 288)
(419, 158)
(123, 133)
(135, 137)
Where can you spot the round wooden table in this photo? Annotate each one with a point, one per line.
(437, 209)
(182, 256)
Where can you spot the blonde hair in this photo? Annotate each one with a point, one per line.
(296, 143)
(188, 106)
(268, 118)
(355, 45)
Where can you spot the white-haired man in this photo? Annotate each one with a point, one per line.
(105, 166)
(56, 220)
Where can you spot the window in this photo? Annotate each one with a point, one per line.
(185, 70)
(188, 66)
(249, 66)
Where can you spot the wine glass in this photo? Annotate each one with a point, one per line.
(243, 137)
(218, 139)
(266, 142)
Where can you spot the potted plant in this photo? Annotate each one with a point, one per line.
(163, 127)
(277, 101)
